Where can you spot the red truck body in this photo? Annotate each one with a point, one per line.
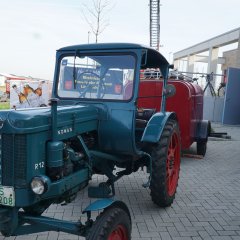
(187, 103)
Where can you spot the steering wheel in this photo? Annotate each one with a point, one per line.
(89, 86)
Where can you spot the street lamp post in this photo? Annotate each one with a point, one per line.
(169, 56)
(88, 43)
(89, 36)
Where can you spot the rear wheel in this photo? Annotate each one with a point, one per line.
(113, 224)
(166, 165)
(201, 148)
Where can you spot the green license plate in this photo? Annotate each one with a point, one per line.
(7, 196)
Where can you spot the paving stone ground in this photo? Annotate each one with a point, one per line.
(207, 204)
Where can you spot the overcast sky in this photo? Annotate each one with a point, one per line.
(32, 30)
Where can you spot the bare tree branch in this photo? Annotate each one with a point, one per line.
(95, 16)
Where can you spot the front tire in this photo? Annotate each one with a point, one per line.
(166, 165)
(113, 223)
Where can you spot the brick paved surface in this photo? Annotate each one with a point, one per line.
(207, 204)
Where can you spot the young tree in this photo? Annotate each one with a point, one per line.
(96, 16)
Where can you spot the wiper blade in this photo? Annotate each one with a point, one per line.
(74, 71)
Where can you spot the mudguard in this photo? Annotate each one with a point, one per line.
(154, 128)
(203, 130)
(105, 203)
(99, 205)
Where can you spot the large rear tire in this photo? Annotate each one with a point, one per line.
(113, 224)
(166, 165)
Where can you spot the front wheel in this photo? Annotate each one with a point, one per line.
(113, 224)
(166, 165)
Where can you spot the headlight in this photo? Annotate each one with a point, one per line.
(40, 185)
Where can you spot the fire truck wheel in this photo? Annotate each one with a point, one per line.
(201, 148)
(113, 223)
(166, 165)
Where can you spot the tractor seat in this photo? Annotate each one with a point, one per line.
(143, 115)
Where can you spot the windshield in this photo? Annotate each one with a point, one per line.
(96, 77)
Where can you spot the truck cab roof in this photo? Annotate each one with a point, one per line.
(107, 46)
(154, 58)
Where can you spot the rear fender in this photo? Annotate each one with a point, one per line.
(155, 126)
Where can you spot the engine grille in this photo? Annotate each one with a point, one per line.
(14, 160)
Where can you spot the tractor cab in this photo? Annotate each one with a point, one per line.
(108, 76)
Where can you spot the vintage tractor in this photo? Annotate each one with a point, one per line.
(97, 124)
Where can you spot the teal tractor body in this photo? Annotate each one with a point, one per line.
(93, 126)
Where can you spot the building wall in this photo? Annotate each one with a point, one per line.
(230, 59)
(2, 81)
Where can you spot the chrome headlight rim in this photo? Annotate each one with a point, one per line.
(39, 185)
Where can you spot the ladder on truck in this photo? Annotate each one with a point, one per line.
(154, 24)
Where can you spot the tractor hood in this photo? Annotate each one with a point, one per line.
(69, 118)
